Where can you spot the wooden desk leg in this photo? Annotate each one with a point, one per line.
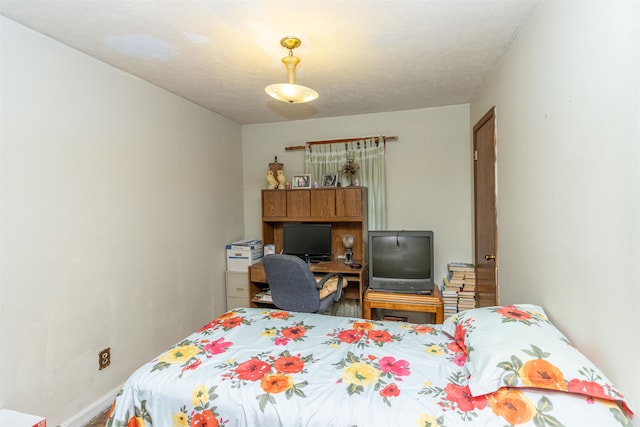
(439, 314)
(366, 311)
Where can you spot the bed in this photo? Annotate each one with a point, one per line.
(495, 366)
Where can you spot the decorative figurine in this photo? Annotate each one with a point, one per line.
(275, 175)
(282, 180)
(271, 180)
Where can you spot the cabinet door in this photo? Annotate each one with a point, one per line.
(298, 203)
(349, 202)
(274, 203)
(323, 203)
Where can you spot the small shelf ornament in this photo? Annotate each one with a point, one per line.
(347, 241)
(275, 176)
(350, 170)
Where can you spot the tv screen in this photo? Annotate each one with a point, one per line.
(311, 242)
(401, 261)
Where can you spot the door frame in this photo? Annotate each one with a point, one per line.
(487, 278)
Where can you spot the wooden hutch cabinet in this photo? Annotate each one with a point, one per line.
(344, 208)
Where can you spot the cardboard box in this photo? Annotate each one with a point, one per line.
(241, 254)
(9, 418)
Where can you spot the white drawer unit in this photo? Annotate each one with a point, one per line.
(237, 289)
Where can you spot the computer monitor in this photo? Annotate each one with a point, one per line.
(309, 241)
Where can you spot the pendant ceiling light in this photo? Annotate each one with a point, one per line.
(291, 92)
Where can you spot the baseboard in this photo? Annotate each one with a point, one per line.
(96, 408)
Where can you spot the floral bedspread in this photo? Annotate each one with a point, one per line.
(257, 367)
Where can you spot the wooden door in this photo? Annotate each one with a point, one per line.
(486, 218)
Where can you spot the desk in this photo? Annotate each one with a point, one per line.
(409, 302)
(356, 280)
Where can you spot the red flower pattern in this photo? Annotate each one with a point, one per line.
(216, 347)
(192, 366)
(460, 359)
(513, 313)
(204, 419)
(422, 329)
(350, 336)
(379, 335)
(252, 370)
(289, 365)
(586, 387)
(232, 322)
(208, 325)
(294, 332)
(398, 368)
(279, 315)
(390, 390)
(281, 341)
(458, 337)
(462, 397)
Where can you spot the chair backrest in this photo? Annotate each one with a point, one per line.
(293, 285)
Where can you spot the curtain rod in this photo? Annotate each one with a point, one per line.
(333, 141)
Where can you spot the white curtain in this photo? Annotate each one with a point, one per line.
(369, 155)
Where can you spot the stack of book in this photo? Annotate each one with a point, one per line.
(450, 297)
(465, 272)
(459, 291)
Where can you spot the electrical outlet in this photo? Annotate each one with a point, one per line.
(104, 358)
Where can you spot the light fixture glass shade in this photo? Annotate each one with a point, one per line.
(291, 93)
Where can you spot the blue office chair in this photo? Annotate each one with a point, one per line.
(295, 288)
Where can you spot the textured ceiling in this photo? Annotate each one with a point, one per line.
(361, 56)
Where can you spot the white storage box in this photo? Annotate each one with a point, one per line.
(240, 255)
(9, 418)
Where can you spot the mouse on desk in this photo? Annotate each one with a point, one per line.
(355, 265)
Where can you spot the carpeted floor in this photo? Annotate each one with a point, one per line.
(99, 420)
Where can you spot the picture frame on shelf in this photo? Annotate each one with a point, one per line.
(269, 249)
(330, 180)
(301, 181)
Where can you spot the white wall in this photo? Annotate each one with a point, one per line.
(567, 103)
(117, 199)
(428, 169)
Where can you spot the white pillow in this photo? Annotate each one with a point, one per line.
(517, 346)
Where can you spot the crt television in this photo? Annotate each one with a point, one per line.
(311, 242)
(401, 261)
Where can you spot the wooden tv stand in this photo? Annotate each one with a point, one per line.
(408, 302)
